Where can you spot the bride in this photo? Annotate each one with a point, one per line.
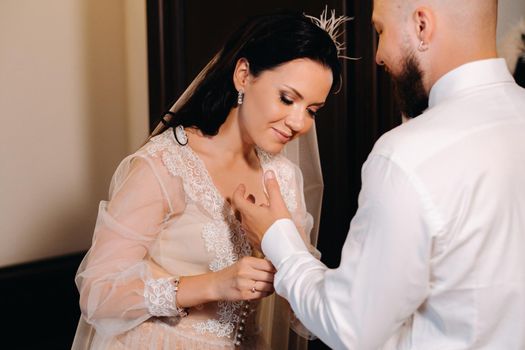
(169, 266)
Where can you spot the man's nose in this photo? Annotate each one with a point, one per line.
(379, 59)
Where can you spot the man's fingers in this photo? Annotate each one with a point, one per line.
(238, 201)
(272, 187)
(238, 196)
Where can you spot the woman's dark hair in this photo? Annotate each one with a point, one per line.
(266, 42)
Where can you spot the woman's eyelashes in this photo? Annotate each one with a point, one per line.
(287, 101)
(312, 113)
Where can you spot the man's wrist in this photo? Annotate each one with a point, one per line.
(281, 240)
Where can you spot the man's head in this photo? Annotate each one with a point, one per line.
(421, 40)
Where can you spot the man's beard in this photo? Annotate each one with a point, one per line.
(409, 91)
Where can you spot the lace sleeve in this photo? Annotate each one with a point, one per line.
(118, 287)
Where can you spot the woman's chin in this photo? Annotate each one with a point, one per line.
(272, 148)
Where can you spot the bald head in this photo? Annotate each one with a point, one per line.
(472, 16)
(443, 34)
(463, 17)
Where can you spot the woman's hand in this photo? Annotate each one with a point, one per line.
(248, 279)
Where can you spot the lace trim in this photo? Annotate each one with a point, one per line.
(158, 143)
(225, 325)
(159, 295)
(183, 162)
(285, 176)
(162, 334)
(226, 240)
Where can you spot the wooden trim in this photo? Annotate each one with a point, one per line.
(39, 301)
(166, 63)
(61, 263)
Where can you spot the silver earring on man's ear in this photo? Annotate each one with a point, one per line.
(422, 46)
(240, 97)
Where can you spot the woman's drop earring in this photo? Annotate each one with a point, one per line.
(240, 97)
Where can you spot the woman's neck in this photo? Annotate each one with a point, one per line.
(229, 144)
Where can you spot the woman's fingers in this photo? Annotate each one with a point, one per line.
(261, 272)
(259, 264)
(254, 278)
(258, 290)
(262, 276)
(261, 286)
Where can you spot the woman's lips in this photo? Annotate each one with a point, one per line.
(282, 136)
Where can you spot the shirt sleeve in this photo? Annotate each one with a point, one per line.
(384, 271)
(119, 286)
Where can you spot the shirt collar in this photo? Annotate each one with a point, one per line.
(467, 76)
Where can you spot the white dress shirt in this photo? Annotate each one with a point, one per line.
(435, 255)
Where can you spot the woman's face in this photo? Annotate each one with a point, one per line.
(281, 103)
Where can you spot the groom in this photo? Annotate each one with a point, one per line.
(434, 258)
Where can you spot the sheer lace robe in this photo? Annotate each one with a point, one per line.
(165, 218)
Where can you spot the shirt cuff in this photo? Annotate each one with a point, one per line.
(281, 241)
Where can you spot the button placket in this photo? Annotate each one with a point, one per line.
(245, 311)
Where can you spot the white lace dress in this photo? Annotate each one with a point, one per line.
(165, 218)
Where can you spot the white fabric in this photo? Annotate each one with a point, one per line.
(165, 218)
(304, 152)
(434, 255)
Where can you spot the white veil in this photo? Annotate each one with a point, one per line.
(304, 152)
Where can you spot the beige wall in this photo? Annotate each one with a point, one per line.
(73, 102)
(510, 12)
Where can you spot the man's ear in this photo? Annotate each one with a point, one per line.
(424, 24)
(241, 74)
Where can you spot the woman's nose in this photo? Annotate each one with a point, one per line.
(295, 121)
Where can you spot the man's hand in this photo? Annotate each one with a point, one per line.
(257, 219)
